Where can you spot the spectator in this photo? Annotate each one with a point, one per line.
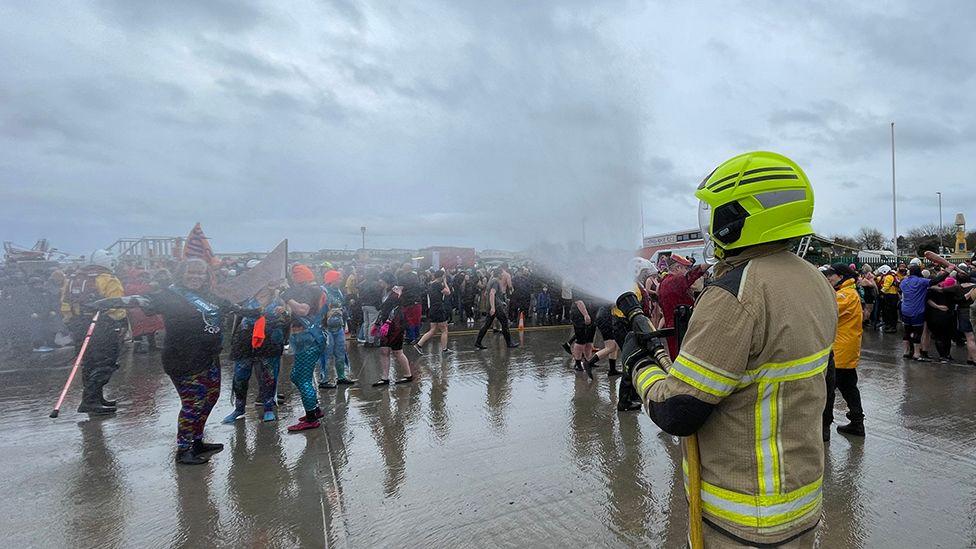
(889, 299)
(44, 306)
(940, 314)
(675, 290)
(846, 352)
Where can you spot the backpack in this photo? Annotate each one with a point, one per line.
(82, 287)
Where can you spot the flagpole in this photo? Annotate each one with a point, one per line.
(894, 197)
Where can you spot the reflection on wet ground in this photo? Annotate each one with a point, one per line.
(495, 448)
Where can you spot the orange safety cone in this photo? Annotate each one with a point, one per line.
(521, 324)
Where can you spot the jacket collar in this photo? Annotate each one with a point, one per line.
(748, 254)
(849, 283)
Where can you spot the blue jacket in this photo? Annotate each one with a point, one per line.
(914, 290)
(542, 301)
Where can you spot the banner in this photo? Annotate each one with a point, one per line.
(273, 268)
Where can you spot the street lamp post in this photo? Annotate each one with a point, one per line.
(894, 200)
(940, 222)
(363, 230)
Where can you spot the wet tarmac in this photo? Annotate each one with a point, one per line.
(493, 448)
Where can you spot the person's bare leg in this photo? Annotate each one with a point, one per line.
(385, 360)
(402, 363)
(577, 352)
(588, 351)
(426, 336)
(444, 336)
(971, 346)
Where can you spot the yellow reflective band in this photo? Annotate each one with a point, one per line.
(767, 438)
(778, 372)
(649, 377)
(761, 511)
(703, 377)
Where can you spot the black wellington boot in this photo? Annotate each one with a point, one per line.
(589, 365)
(91, 405)
(854, 428)
(202, 448)
(189, 457)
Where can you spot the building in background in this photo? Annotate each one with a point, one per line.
(688, 243)
(447, 257)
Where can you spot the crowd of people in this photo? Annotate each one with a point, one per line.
(312, 315)
(933, 301)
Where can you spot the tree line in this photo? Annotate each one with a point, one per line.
(916, 240)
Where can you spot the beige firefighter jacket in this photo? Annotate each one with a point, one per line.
(756, 348)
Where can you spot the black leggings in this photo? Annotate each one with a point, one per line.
(889, 310)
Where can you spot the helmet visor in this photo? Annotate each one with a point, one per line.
(705, 224)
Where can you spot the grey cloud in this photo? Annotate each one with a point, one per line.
(228, 15)
(242, 60)
(486, 124)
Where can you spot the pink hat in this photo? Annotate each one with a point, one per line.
(948, 282)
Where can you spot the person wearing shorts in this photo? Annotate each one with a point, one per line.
(606, 323)
(584, 330)
(391, 344)
(914, 289)
(437, 297)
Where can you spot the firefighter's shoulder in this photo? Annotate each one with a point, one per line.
(731, 281)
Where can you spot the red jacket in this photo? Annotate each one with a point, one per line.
(674, 291)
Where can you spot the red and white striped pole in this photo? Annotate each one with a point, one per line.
(74, 369)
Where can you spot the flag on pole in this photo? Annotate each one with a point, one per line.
(198, 246)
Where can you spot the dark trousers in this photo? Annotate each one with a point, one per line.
(889, 311)
(502, 317)
(844, 379)
(626, 392)
(101, 356)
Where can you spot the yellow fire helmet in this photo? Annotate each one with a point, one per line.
(751, 199)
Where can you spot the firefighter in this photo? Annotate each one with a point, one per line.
(90, 283)
(627, 397)
(749, 376)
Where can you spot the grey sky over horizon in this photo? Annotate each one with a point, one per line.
(491, 125)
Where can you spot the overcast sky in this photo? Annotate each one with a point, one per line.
(488, 124)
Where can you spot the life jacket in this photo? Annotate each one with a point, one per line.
(82, 286)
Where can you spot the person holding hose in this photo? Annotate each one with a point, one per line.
(748, 379)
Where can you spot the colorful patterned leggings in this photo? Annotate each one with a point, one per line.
(267, 374)
(198, 392)
(307, 353)
(335, 347)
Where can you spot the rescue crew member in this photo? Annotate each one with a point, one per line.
(889, 299)
(627, 397)
(90, 283)
(749, 378)
(841, 371)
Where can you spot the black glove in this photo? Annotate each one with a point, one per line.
(639, 351)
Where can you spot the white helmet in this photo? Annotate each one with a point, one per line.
(915, 261)
(884, 269)
(639, 265)
(103, 258)
(252, 263)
